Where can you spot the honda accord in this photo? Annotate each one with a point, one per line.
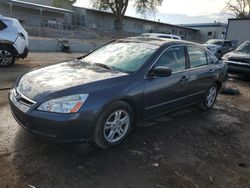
(99, 97)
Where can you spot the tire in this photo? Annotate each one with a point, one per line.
(210, 98)
(7, 56)
(113, 125)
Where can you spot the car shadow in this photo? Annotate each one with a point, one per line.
(46, 164)
(240, 77)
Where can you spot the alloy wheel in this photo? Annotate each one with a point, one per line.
(5, 58)
(116, 126)
(211, 96)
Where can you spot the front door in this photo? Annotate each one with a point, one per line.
(162, 94)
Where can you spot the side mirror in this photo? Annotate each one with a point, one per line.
(161, 71)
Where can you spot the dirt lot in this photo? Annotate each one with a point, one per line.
(188, 148)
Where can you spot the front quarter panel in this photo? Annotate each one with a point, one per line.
(129, 89)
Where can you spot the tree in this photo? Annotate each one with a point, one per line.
(63, 3)
(240, 8)
(119, 7)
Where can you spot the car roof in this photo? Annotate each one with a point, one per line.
(219, 40)
(157, 41)
(7, 18)
(159, 34)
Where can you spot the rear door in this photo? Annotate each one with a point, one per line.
(162, 94)
(201, 72)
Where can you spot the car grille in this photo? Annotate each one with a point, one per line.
(22, 99)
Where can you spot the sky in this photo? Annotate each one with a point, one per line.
(180, 11)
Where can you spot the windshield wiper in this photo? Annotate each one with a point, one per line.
(103, 66)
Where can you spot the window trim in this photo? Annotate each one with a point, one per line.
(207, 54)
(202, 66)
(4, 25)
(187, 60)
(167, 48)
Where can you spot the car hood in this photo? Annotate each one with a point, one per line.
(238, 56)
(62, 76)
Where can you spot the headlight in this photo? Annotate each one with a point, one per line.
(225, 58)
(68, 104)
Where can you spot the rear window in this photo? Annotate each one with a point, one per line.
(227, 43)
(2, 25)
(197, 56)
(164, 36)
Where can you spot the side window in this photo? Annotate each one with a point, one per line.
(227, 43)
(2, 25)
(197, 56)
(174, 58)
(211, 58)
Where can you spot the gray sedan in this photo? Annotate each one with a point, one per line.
(100, 96)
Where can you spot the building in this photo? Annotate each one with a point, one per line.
(105, 21)
(40, 18)
(238, 29)
(216, 30)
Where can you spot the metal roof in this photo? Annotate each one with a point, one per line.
(156, 41)
(198, 25)
(139, 19)
(34, 5)
(246, 18)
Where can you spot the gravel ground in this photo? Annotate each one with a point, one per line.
(188, 148)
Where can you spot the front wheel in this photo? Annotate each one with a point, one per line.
(210, 98)
(7, 56)
(113, 125)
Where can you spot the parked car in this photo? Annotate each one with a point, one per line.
(13, 41)
(238, 61)
(220, 47)
(100, 96)
(161, 35)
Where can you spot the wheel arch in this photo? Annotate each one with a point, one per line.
(219, 85)
(8, 44)
(134, 106)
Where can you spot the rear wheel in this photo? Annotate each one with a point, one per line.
(113, 125)
(210, 98)
(7, 56)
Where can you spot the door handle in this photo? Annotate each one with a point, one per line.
(184, 78)
(211, 70)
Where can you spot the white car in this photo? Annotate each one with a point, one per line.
(161, 35)
(220, 47)
(13, 41)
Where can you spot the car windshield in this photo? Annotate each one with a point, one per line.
(216, 42)
(122, 56)
(244, 47)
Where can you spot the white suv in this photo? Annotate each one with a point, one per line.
(13, 41)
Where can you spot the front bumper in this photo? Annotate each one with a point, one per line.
(24, 54)
(75, 127)
(238, 67)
